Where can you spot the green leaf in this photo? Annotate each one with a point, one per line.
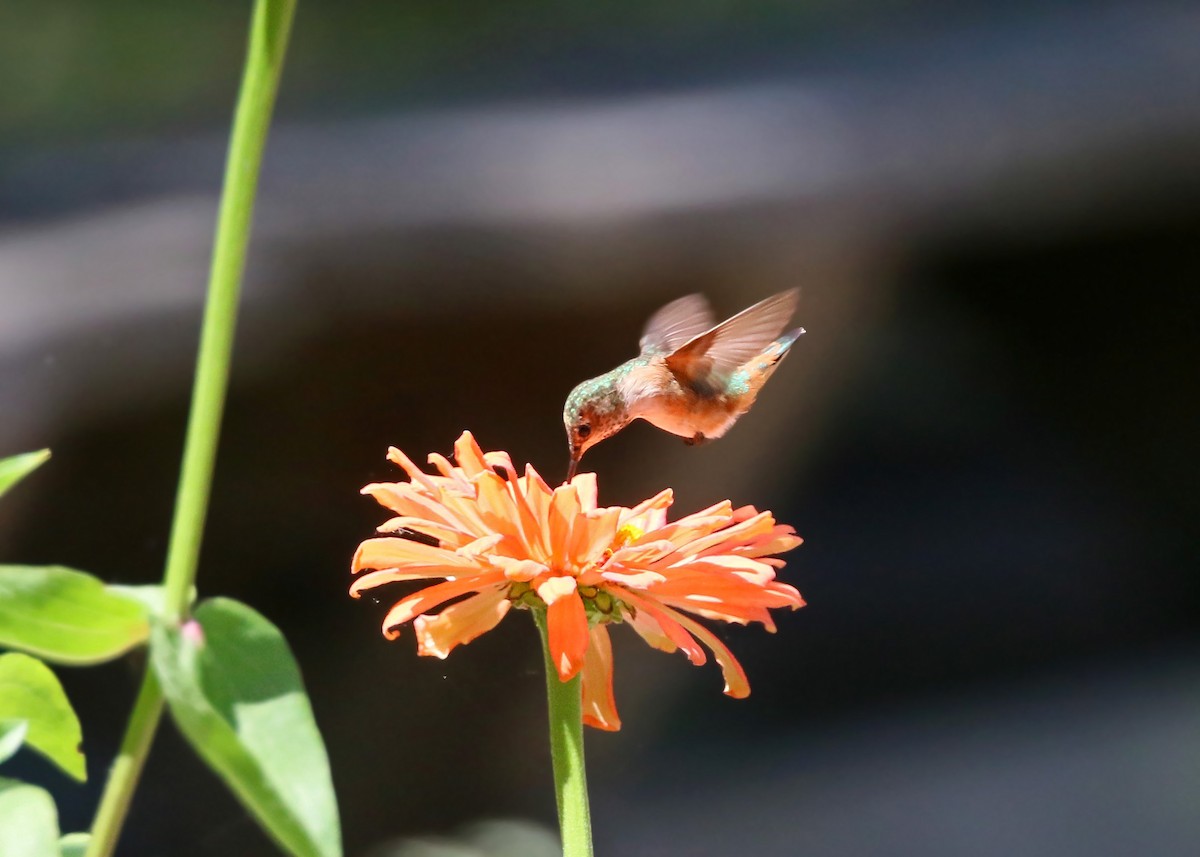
(66, 616)
(12, 736)
(235, 692)
(152, 596)
(30, 691)
(16, 467)
(74, 844)
(28, 821)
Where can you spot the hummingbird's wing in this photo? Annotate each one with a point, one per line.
(719, 351)
(675, 324)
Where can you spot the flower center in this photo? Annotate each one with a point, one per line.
(601, 607)
(626, 535)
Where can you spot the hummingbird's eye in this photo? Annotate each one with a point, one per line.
(583, 430)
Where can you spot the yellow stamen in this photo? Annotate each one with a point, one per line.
(627, 534)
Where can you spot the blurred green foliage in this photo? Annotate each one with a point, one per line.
(72, 68)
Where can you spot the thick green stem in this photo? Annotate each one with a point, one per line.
(566, 750)
(269, 30)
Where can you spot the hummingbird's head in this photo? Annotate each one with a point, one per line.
(594, 411)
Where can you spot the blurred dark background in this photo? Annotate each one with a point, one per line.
(988, 437)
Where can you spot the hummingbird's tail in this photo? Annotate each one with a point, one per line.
(760, 368)
(778, 349)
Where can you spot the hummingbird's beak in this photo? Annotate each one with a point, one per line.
(573, 466)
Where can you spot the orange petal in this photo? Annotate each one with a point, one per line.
(392, 575)
(724, 509)
(411, 555)
(469, 456)
(535, 484)
(734, 616)
(482, 546)
(587, 491)
(660, 502)
(724, 596)
(451, 536)
(564, 509)
(539, 495)
(736, 684)
(501, 461)
(687, 531)
(414, 473)
(650, 521)
(592, 533)
(727, 566)
(641, 555)
(648, 630)
(669, 627)
(518, 569)
(432, 596)
(567, 628)
(443, 465)
(633, 578)
(711, 585)
(741, 513)
(497, 508)
(532, 524)
(599, 703)
(778, 539)
(461, 623)
(748, 530)
(403, 499)
(739, 614)
(554, 588)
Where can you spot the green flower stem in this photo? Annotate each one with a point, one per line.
(127, 768)
(566, 751)
(269, 31)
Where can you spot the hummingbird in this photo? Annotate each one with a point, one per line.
(692, 377)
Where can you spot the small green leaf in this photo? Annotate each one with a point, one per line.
(12, 736)
(66, 616)
(28, 821)
(235, 692)
(30, 691)
(16, 467)
(74, 844)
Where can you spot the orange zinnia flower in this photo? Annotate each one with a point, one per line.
(508, 540)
